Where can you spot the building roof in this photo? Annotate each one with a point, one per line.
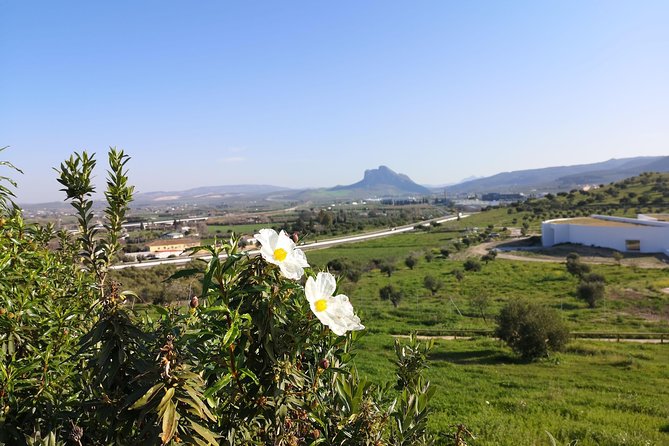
(174, 241)
(590, 221)
(612, 221)
(659, 217)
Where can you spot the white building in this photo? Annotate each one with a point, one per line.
(646, 233)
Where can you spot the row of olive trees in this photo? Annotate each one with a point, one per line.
(592, 286)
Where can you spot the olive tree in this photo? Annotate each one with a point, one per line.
(531, 330)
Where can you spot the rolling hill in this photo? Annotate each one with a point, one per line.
(384, 182)
(563, 177)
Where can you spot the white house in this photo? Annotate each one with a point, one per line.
(646, 233)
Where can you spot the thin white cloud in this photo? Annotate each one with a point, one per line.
(231, 159)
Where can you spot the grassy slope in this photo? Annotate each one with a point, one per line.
(596, 393)
(634, 300)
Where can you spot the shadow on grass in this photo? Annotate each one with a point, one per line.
(482, 357)
(567, 306)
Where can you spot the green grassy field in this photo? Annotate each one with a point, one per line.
(634, 299)
(595, 393)
(222, 230)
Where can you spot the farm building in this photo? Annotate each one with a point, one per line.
(172, 245)
(646, 233)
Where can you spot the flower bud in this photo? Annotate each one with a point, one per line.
(194, 302)
(295, 237)
(324, 364)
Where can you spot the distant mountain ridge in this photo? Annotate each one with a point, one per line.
(207, 193)
(384, 182)
(563, 177)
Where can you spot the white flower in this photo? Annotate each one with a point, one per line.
(334, 311)
(280, 250)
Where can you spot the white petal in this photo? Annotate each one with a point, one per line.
(326, 284)
(291, 270)
(341, 312)
(300, 258)
(268, 254)
(322, 316)
(341, 305)
(337, 329)
(311, 292)
(284, 242)
(267, 238)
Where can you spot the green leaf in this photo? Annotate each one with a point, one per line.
(201, 404)
(162, 310)
(216, 308)
(204, 432)
(231, 334)
(132, 294)
(218, 386)
(167, 398)
(141, 402)
(250, 374)
(169, 421)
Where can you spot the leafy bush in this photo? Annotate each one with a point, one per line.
(531, 330)
(472, 265)
(254, 358)
(479, 304)
(432, 284)
(575, 267)
(591, 290)
(387, 268)
(389, 292)
(490, 256)
(346, 268)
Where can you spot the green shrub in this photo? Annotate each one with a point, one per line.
(531, 330)
(432, 284)
(575, 267)
(254, 358)
(389, 292)
(591, 291)
(387, 268)
(472, 265)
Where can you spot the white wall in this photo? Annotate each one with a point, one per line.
(652, 238)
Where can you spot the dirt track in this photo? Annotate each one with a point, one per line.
(557, 254)
(633, 340)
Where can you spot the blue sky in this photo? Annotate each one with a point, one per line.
(308, 94)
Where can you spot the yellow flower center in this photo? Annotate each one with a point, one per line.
(321, 305)
(280, 254)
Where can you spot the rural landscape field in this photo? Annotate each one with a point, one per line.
(352, 223)
(585, 362)
(597, 391)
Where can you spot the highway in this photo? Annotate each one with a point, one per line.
(305, 247)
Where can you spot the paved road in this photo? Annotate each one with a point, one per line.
(307, 246)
